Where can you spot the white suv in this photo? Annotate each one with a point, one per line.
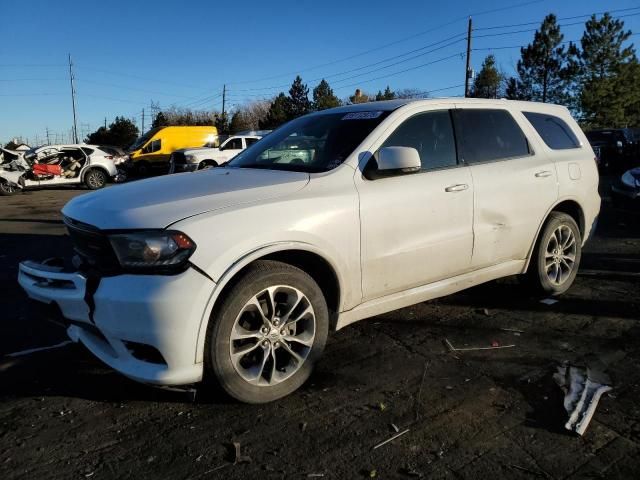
(240, 272)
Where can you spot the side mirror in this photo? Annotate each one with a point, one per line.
(406, 159)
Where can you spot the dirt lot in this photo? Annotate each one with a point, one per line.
(478, 415)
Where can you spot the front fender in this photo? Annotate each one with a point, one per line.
(242, 262)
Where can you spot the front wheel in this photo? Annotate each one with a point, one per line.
(268, 332)
(7, 188)
(557, 254)
(95, 179)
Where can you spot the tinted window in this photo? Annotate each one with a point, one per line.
(487, 135)
(553, 130)
(431, 134)
(251, 141)
(88, 151)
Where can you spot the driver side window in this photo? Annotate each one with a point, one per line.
(431, 134)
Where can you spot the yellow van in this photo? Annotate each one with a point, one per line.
(153, 149)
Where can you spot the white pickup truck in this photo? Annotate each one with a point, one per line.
(190, 159)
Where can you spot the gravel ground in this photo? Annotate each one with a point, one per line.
(480, 414)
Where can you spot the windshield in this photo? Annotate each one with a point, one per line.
(140, 141)
(315, 143)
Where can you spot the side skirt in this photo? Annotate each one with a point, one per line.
(423, 293)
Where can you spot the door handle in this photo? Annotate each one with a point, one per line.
(543, 173)
(457, 188)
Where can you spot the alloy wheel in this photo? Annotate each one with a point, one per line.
(272, 335)
(560, 255)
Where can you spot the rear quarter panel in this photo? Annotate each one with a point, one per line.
(577, 170)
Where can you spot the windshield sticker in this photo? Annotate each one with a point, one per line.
(362, 115)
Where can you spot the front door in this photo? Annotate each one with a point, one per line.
(416, 228)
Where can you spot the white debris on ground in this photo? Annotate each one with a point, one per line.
(583, 387)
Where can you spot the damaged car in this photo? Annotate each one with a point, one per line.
(57, 165)
(239, 273)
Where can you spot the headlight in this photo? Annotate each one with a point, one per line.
(152, 249)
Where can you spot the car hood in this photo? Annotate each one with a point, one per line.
(159, 202)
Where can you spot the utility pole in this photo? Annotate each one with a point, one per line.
(105, 123)
(467, 72)
(48, 141)
(73, 101)
(224, 97)
(142, 122)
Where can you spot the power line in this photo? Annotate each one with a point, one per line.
(506, 47)
(365, 52)
(458, 38)
(535, 29)
(459, 54)
(559, 19)
(135, 89)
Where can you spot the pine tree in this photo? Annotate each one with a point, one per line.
(602, 46)
(99, 137)
(487, 82)
(609, 75)
(543, 68)
(277, 114)
(299, 103)
(323, 97)
(122, 132)
(388, 94)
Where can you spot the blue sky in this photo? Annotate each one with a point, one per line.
(127, 54)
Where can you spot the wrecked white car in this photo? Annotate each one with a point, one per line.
(56, 165)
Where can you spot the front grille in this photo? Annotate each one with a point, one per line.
(92, 245)
(179, 158)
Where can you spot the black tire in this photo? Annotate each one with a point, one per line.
(7, 189)
(207, 164)
(143, 169)
(545, 254)
(257, 278)
(95, 178)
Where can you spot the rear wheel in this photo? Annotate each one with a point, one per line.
(95, 179)
(557, 254)
(268, 332)
(7, 188)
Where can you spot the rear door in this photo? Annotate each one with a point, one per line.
(416, 227)
(515, 182)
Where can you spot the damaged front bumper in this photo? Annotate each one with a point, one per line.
(144, 326)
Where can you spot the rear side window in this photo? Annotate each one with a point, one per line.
(251, 141)
(489, 135)
(553, 130)
(431, 134)
(88, 151)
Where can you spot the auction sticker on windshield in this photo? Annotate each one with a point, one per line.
(362, 115)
